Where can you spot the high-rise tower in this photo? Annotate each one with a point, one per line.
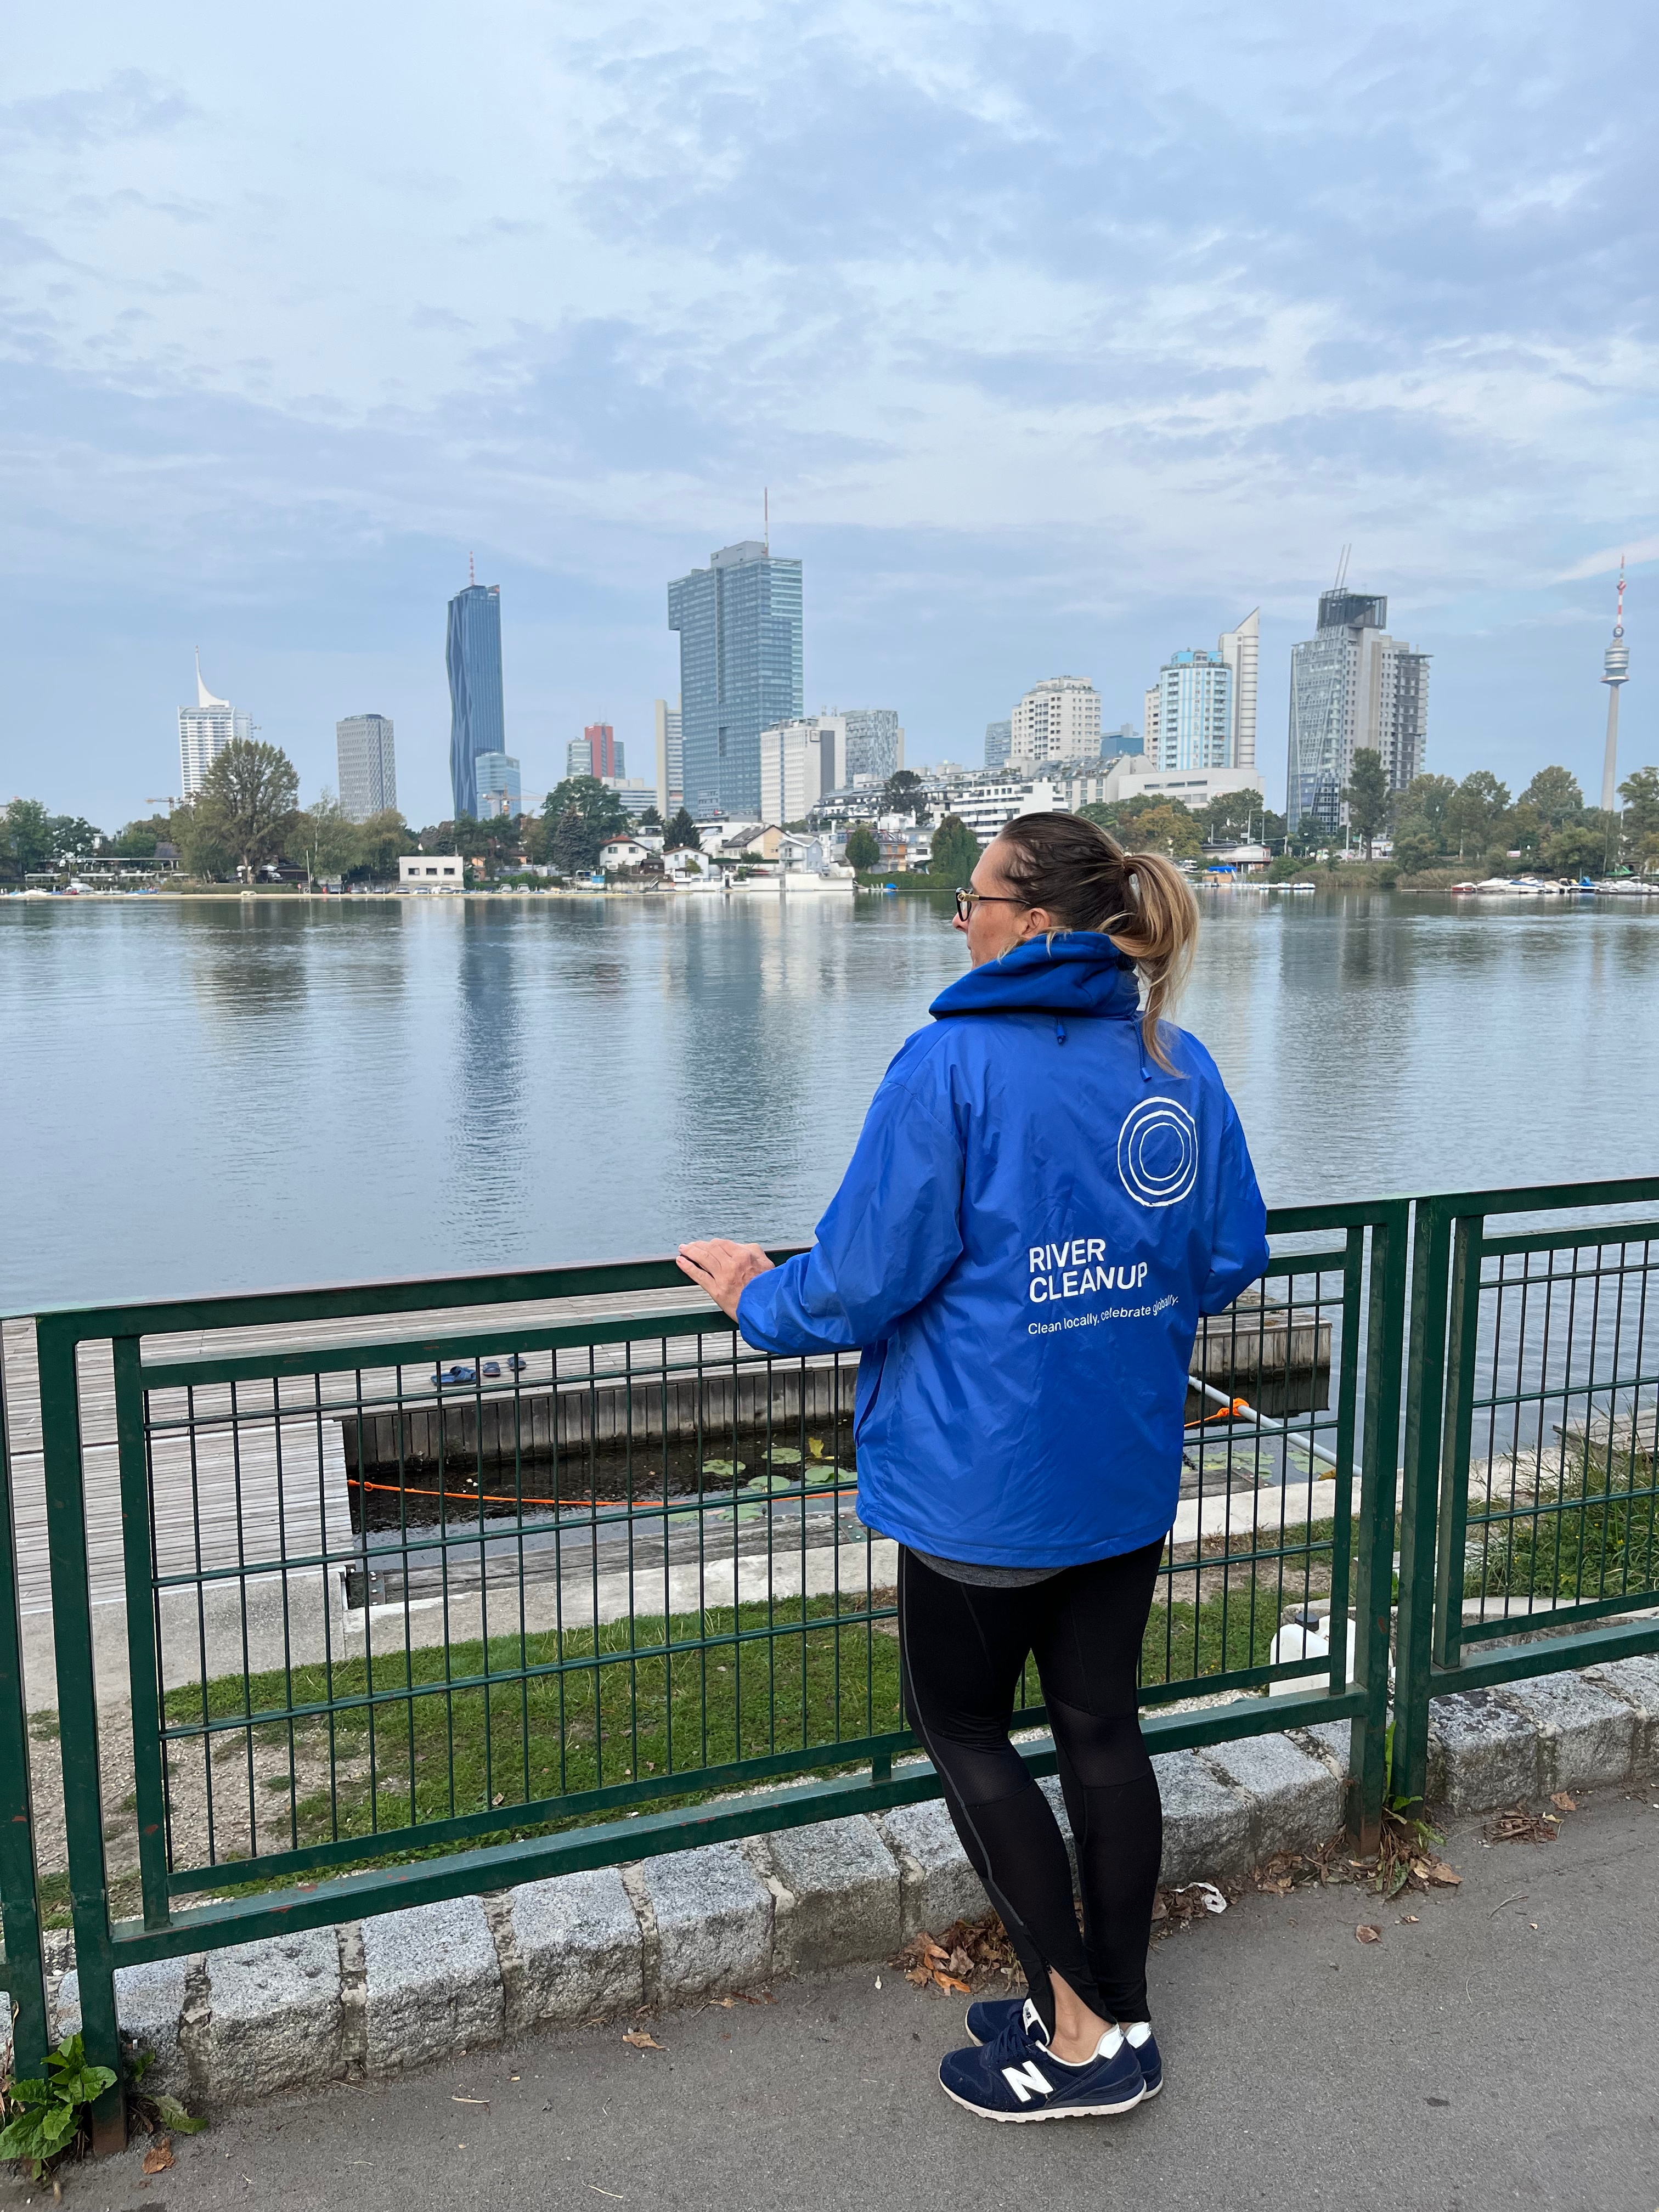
(205, 731)
(472, 653)
(1353, 689)
(739, 621)
(1241, 649)
(1615, 671)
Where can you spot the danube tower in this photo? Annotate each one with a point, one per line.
(1615, 671)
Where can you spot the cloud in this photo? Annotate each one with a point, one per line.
(127, 105)
(1043, 325)
(1607, 562)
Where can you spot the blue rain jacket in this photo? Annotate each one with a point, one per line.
(1035, 1218)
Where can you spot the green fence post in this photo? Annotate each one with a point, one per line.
(1374, 1574)
(1425, 1392)
(78, 1713)
(19, 1910)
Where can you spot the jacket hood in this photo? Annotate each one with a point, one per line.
(1080, 971)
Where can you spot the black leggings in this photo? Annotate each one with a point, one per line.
(961, 1648)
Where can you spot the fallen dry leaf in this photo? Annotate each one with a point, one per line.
(1367, 1933)
(159, 2157)
(1408, 1919)
(965, 1957)
(1563, 1803)
(641, 2041)
(1441, 1875)
(1518, 1825)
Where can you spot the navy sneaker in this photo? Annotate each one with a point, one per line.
(1138, 2034)
(988, 2016)
(1015, 2078)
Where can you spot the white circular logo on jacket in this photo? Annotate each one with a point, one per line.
(1157, 1153)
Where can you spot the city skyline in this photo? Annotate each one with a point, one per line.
(878, 730)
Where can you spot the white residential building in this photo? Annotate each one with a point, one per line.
(1057, 720)
(205, 731)
(637, 797)
(800, 764)
(987, 803)
(670, 760)
(1129, 776)
(1241, 650)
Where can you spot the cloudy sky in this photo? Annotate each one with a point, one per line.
(1063, 337)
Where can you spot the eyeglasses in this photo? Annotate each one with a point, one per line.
(967, 901)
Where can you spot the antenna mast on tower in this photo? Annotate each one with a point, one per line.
(471, 574)
(766, 512)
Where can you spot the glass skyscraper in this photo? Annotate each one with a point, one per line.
(875, 741)
(500, 791)
(740, 624)
(477, 721)
(368, 768)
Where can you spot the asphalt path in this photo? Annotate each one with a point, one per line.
(1501, 2049)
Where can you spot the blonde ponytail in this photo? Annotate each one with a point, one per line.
(1160, 936)
(1081, 876)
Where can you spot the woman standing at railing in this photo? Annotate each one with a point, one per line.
(1050, 1188)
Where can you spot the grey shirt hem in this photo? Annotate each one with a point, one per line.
(966, 1570)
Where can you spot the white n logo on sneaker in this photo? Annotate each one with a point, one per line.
(1025, 2080)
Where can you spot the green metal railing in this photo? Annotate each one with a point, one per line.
(1529, 1498)
(431, 1587)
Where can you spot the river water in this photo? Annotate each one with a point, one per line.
(212, 1095)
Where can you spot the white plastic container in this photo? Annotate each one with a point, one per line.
(1306, 1635)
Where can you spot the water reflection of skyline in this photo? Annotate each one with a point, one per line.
(214, 1096)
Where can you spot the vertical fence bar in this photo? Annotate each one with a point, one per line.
(78, 1707)
(1457, 1435)
(143, 1672)
(1374, 1569)
(1425, 1391)
(19, 1910)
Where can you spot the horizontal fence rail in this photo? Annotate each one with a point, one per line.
(432, 1587)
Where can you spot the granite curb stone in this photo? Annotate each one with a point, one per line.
(149, 2005)
(842, 1891)
(275, 2020)
(1586, 1735)
(579, 1945)
(1206, 1824)
(432, 1984)
(714, 1915)
(1293, 1797)
(936, 1880)
(1481, 1753)
(1637, 1681)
